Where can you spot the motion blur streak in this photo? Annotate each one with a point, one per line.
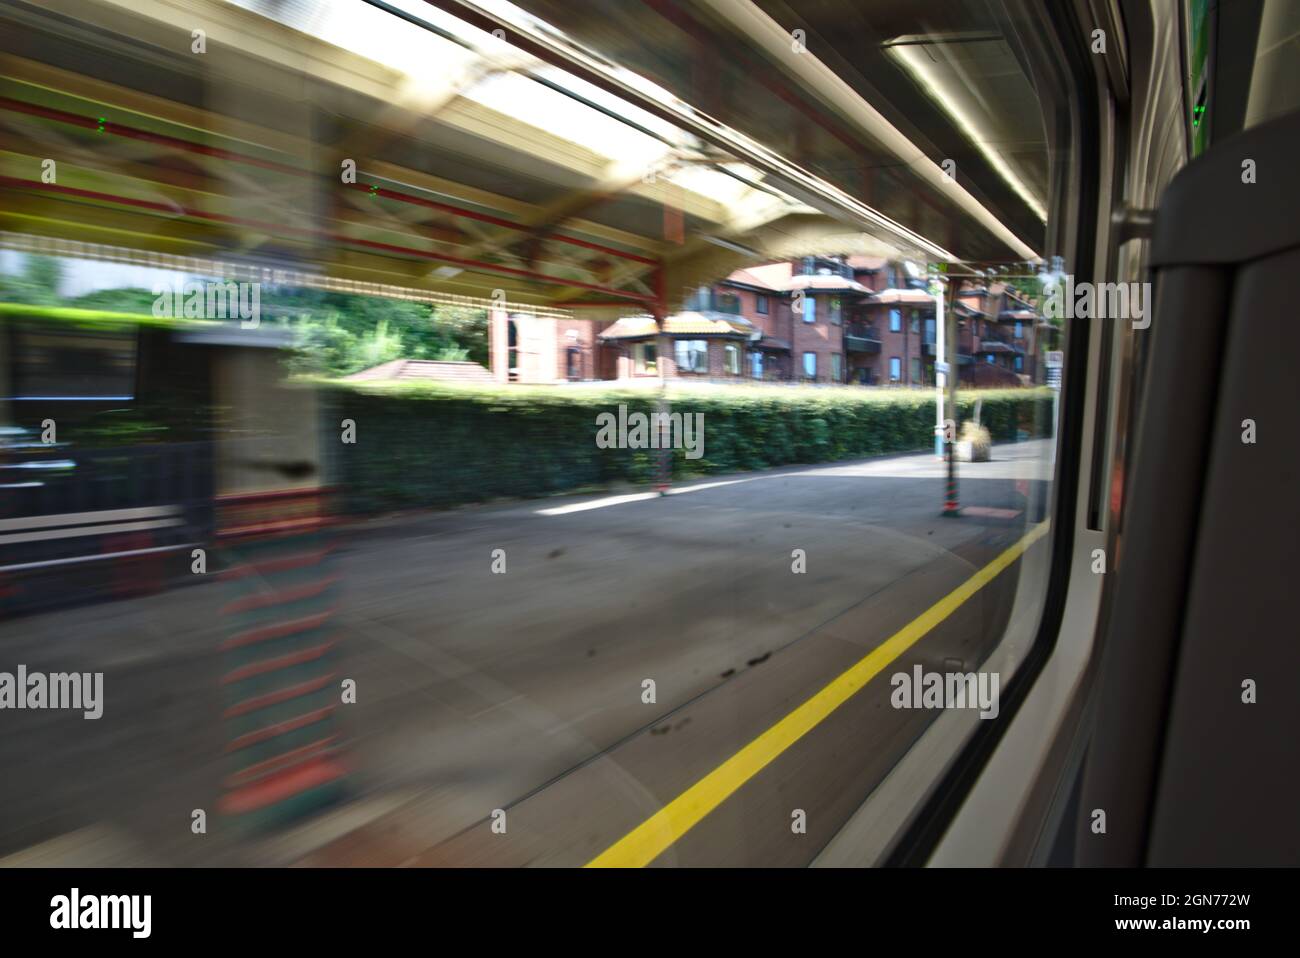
(648, 841)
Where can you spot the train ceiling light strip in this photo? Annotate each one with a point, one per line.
(567, 55)
(916, 59)
(773, 38)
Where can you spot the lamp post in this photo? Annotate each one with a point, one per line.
(940, 361)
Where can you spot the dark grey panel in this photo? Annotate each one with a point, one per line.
(1230, 787)
(1152, 566)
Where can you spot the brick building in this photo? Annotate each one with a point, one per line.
(824, 319)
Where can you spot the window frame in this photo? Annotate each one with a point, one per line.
(691, 348)
(730, 359)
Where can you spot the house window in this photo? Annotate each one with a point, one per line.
(1020, 363)
(916, 321)
(726, 303)
(835, 311)
(574, 363)
(760, 304)
(990, 357)
(644, 356)
(916, 369)
(692, 355)
(810, 309)
(895, 369)
(895, 321)
(756, 364)
(837, 367)
(810, 365)
(1020, 329)
(731, 359)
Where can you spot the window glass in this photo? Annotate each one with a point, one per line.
(692, 355)
(484, 172)
(731, 359)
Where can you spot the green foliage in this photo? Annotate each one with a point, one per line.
(38, 283)
(125, 300)
(433, 445)
(339, 334)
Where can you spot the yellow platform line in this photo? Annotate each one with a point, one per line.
(652, 837)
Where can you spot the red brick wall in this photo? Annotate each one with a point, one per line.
(821, 338)
(584, 339)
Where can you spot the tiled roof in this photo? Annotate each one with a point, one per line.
(772, 275)
(891, 296)
(408, 370)
(826, 284)
(761, 277)
(690, 323)
(631, 327)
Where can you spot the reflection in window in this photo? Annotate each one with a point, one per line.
(53, 363)
(692, 355)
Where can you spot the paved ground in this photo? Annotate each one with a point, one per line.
(523, 691)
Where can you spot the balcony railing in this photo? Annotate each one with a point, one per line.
(715, 301)
(854, 343)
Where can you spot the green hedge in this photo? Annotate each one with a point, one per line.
(422, 446)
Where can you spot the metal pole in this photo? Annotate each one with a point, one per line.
(940, 362)
(951, 506)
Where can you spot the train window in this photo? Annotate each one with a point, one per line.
(70, 364)
(609, 605)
